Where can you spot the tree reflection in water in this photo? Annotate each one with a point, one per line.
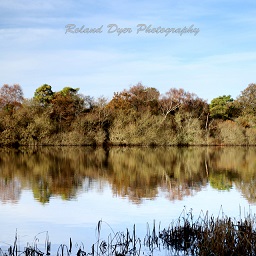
(132, 172)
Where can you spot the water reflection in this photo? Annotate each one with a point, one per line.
(135, 173)
(10, 190)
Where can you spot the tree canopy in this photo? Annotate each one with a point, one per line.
(44, 94)
(11, 97)
(220, 107)
(138, 98)
(247, 99)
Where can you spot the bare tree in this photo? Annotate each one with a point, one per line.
(11, 96)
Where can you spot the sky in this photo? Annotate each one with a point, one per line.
(214, 56)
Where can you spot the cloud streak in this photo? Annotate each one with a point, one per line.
(218, 60)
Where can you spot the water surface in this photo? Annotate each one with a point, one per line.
(66, 191)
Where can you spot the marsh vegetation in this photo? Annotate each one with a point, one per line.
(203, 236)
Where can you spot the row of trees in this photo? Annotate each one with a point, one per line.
(137, 116)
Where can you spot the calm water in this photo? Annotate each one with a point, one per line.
(66, 191)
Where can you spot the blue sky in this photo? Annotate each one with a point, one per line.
(220, 59)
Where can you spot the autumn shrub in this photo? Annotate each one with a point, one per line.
(74, 138)
(9, 131)
(251, 136)
(120, 130)
(231, 133)
(90, 129)
(145, 129)
(188, 130)
(247, 121)
(37, 130)
(9, 138)
(148, 129)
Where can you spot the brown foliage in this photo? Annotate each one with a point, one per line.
(179, 100)
(232, 133)
(65, 108)
(139, 98)
(247, 100)
(11, 97)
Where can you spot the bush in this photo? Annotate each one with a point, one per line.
(232, 133)
(251, 136)
(145, 129)
(188, 130)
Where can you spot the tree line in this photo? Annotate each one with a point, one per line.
(139, 115)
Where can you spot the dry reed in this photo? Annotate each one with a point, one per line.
(206, 235)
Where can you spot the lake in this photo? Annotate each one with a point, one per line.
(64, 192)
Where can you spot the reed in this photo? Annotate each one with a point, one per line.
(206, 235)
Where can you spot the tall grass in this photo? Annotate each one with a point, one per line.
(203, 236)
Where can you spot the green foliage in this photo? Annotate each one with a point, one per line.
(221, 107)
(44, 94)
(220, 181)
(69, 91)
